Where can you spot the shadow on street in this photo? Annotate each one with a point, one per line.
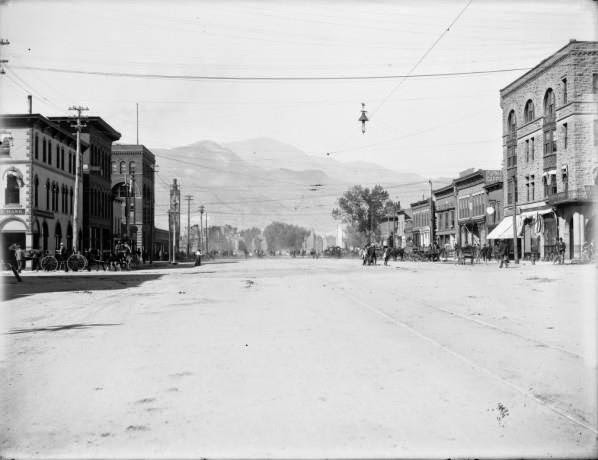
(100, 281)
(61, 327)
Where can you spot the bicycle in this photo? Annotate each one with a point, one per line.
(49, 263)
(76, 262)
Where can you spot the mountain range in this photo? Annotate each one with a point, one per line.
(257, 181)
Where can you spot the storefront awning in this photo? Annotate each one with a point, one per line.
(503, 231)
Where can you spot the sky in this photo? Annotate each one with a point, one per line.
(433, 126)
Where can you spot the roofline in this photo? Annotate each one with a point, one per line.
(421, 202)
(43, 119)
(519, 81)
(137, 148)
(444, 189)
(104, 126)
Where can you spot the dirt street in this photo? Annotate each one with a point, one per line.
(298, 357)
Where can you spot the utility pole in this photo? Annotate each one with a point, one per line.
(432, 217)
(201, 211)
(515, 249)
(188, 198)
(78, 126)
(207, 247)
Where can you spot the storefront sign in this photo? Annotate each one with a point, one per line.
(12, 211)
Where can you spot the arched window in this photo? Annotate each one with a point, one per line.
(549, 104)
(62, 158)
(36, 191)
(131, 167)
(49, 152)
(12, 190)
(58, 235)
(45, 235)
(71, 197)
(528, 113)
(123, 167)
(36, 148)
(44, 150)
(114, 167)
(512, 124)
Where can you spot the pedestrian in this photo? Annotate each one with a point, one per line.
(503, 253)
(386, 255)
(562, 247)
(35, 259)
(61, 256)
(20, 257)
(197, 258)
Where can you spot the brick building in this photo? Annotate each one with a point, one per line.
(133, 186)
(472, 202)
(97, 187)
(550, 150)
(444, 209)
(37, 168)
(420, 215)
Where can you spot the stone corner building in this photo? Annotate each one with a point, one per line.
(550, 151)
(133, 167)
(37, 168)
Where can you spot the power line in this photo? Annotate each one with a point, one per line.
(419, 61)
(190, 77)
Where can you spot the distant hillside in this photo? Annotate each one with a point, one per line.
(253, 182)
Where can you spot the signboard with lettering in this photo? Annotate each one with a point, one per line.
(12, 211)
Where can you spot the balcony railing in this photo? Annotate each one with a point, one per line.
(587, 193)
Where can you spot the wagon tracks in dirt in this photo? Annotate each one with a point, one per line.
(574, 418)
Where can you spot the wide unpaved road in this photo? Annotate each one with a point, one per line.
(301, 358)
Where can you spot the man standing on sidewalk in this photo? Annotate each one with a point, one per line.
(562, 248)
(20, 256)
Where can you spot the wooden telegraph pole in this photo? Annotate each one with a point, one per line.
(188, 198)
(78, 126)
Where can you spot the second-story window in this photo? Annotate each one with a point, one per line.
(49, 152)
(533, 187)
(132, 167)
(528, 113)
(36, 148)
(564, 82)
(532, 149)
(549, 104)
(527, 151)
(123, 167)
(565, 134)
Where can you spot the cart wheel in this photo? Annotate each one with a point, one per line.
(76, 262)
(49, 263)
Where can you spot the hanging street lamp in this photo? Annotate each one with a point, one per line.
(363, 118)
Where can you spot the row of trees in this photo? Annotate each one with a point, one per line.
(278, 236)
(362, 209)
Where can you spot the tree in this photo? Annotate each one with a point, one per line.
(280, 236)
(249, 235)
(362, 208)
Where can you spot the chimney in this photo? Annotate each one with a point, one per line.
(30, 103)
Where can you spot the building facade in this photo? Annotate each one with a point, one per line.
(97, 185)
(37, 167)
(421, 218)
(444, 209)
(472, 203)
(133, 185)
(550, 149)
(404, 228)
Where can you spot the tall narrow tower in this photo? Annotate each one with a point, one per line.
(175, 218)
